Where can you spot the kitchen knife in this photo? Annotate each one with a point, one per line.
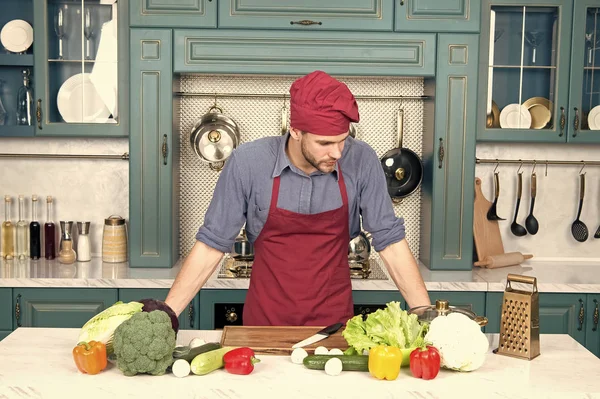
(324, 333)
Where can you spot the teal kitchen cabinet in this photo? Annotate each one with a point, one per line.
(366, 302)
(6, 312)
(560, 313)
(154, 152)
(219, 308)
(438, 16)
(282, 52)
(59, 307)
(526, 71)
(188, 320)
(173, 13)
(12, 65)
(584, 94)
(448, 154)
(349, 15)
(592, 335)
(81, 61)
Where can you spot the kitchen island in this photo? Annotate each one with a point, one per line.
(37, 363)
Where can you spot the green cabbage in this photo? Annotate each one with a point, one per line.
(102, 326)
(391, 326)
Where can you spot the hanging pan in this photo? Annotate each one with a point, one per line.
(214, 137)
(402, 167)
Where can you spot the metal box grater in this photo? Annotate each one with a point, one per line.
(520, 320)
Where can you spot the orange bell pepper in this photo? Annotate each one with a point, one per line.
(385, 362)
(90, 357)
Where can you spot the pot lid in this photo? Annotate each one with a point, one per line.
(441, 308)
(216, 145)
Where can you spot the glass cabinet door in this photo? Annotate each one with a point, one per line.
(79, 67)
(524, 72)
(584, 121)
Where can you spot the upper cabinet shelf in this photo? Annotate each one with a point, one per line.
(537, 71)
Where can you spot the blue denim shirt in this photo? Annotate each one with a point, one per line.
(243, 193)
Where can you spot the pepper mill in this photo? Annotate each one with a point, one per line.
(67, 254)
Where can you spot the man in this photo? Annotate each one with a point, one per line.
(301, 196)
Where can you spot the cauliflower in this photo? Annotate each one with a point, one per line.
(460, 341)
(144, 343)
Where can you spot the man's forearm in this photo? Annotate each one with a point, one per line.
(403, 269)
(196, 269)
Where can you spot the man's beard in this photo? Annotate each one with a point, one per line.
(311, 160)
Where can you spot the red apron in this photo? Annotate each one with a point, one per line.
(300, 274)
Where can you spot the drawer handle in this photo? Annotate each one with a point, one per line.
(18, 310)
(165, 149)
(576, 122)
(562, 121)
(306, 22)
(595, 316)
(38, 113)
(581, 315)
(441, 153)
(191, 315)
(401, 2)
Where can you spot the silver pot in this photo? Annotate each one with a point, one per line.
(359, 248)
(442, 308)
(214, 137)
(242, 247)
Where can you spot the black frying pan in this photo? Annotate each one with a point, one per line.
(402, 167)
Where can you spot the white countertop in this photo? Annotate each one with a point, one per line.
(552, 276)
(37, 363)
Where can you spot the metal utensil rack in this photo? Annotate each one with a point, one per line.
(287, 96)
(536, 162)
(124, 156)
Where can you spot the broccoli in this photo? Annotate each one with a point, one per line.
(144, 343)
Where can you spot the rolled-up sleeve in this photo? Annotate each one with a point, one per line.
(376, 207)
(226, 213)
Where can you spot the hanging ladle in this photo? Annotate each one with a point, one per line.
(531, 222)
(492, 213)
(578, 228)
(515, 227)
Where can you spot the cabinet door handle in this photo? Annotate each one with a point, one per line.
(401, 2)
(165, 149)
(38, 113)
(576, 122)
(306, 22)
(441, 153)
(562, 121)
(595, 316)
(581, 315)
(18, 310)
(191, 315)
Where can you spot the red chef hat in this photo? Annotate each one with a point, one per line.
(322, 105)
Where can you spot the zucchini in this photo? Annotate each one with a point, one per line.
(189, 353)
(208, 362)
(349, 362)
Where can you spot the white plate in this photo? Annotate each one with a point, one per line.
(515, 116)
(594, 118)
(78, 101)
(16, 36)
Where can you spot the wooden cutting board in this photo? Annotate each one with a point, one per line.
(486, 233)
(274, 340)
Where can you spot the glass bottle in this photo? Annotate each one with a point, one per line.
(66, 254)
(8, 232)
(35, 248)
(49, 232)
(24, 101)
(22, 231)
(83, 242)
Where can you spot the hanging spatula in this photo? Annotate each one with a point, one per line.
(492, 213)
(578, 228)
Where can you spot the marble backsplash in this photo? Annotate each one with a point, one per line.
(556, 201)
(84, 190)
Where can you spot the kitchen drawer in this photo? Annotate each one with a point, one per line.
(6, 309)
(351, 15)
(173, 13)
(438, 16)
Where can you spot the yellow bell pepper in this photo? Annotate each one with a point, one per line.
(385, 362)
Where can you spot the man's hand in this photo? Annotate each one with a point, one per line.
(403, 269)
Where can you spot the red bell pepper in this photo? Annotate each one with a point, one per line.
(425, 362)
(240, 361)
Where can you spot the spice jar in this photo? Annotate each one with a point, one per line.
(114, 240)
(83, 242)
(67, 253)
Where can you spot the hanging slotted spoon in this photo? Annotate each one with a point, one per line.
(492, 213)
(578, 228)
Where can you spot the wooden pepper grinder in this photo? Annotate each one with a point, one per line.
(67, 254)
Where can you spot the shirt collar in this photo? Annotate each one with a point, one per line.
(284, 162)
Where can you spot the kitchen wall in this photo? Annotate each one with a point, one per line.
(556, 201)
(84, 190)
